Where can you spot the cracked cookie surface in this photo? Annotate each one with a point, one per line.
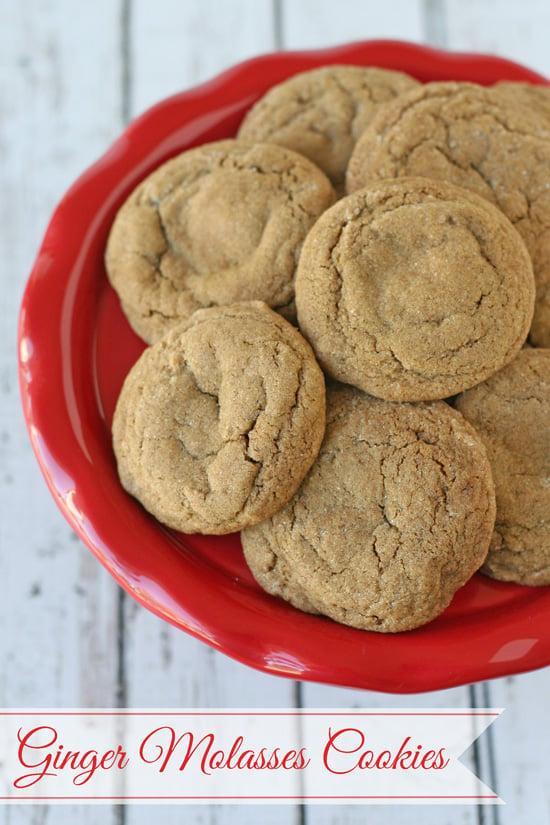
(511, 413)
(477, 138)
(518, 93)
(322, 112)
(218, 422)
(394, 516)
(413, 289)
(217, 224)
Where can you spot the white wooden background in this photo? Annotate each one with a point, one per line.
(71, 75)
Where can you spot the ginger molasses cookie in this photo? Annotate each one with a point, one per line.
(511, 413)
(219, 421)
(531, 95)
(470, 136)
(220, 223)
(414, 289)
(394, 516)
(322, 112)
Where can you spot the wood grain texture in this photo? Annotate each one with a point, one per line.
(310, 24)
(175, 45)
(521, 750)
(57, 599)
(58, 611)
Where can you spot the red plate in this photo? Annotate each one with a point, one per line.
(75, 348)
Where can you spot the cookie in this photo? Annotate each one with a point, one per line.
(218, 422)
(511, 413)
(517, 93)
(467, 135)
(395, 515)
(414, 289)
(218, 224)
(322, 112)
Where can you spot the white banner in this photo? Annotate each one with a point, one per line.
(241, 756)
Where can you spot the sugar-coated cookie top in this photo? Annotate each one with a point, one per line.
(478, 138)
(218, 422)
(394, 516)
(322, 112)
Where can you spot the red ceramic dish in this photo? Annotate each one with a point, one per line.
(75, 347)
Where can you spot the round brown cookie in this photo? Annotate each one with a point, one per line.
(322, 112)
(394, 516)
(465, 134)
(511, 413)
(220, 223)
(414, 289)
(219, 421)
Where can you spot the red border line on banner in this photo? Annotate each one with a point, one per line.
(235, 713)
(232, 713)
(226, 796)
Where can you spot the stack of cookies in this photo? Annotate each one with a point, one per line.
(348, 312)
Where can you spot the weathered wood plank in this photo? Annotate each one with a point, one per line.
(521, 749)
(57, 117)
(309, 24)
(175, 45)
(514, 30)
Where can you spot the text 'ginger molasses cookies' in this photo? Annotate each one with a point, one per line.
(217, 224)
(477, 138)
(394, 516)
(413, 289)
(219, 421)
(511, 413)
(322, 112)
